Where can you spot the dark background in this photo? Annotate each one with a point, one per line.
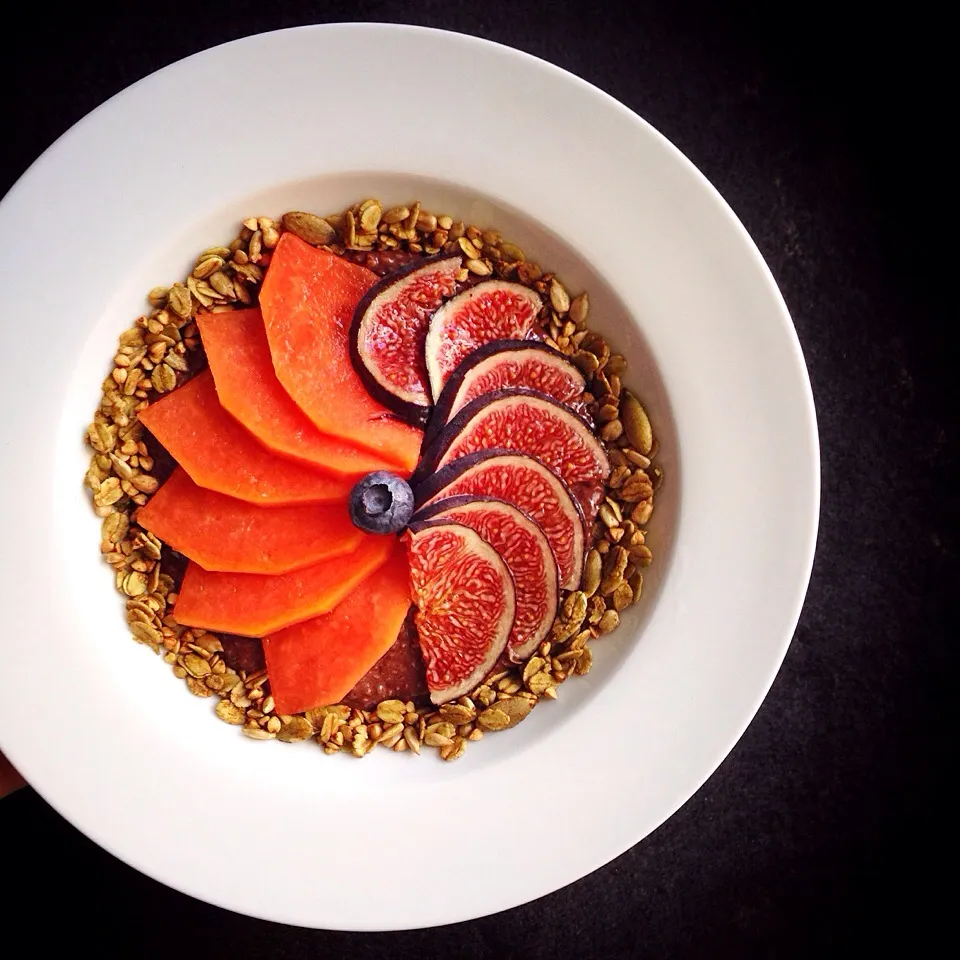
(822, 128)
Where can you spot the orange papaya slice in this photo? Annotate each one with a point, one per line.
(255, 604)
(225, 534)
(239, 355)
(308, 299)
(221, 455)
(318, 662)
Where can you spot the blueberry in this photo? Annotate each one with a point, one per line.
(381, 503)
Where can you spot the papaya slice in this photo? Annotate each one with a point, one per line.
(239, 355)
(319, 662)
(254, 604)
(221, 455)
(308, 299)
(225, 534)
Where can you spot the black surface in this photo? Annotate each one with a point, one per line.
(821, 129)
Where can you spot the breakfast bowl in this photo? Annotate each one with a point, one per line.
(122, 204)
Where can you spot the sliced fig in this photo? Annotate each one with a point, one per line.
(465, 603)
(525, 550)
(388, 333)
(531, 422)
(530, 486)
(505, 363)
(492, 310)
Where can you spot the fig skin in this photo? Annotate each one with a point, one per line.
(431, 456)
(415, 414)
(454, 313)
(507, 348)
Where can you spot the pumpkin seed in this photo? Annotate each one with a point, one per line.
(516, 709)
(511, 252)
(636, 424)
(309, 227)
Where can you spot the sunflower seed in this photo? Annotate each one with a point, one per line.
(145, 483)
(206, 267)
(256, 733)
(222, 284)
(434, 739)
(455, 750)
(479, 267)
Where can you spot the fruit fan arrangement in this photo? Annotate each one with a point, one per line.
(398, 463)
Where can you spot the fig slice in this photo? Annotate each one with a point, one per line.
(388, 333)
(506, 363)
(531, 487)
(531, 422)
(492, 310)
(465, 602)
(525, 550)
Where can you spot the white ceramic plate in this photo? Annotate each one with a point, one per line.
(123, 201)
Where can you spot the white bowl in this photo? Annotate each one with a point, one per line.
(123, 202)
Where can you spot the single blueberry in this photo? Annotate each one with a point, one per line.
(381, 503)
